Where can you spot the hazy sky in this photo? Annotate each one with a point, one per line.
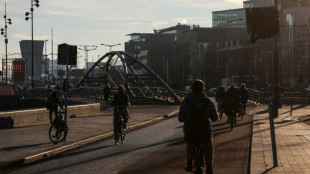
(92, 22)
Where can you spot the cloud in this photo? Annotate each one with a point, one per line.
(21, 36)
(24, 37)
(240, 2)
(159, 23)
(184, 21)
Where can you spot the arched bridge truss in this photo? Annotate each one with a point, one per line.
(121, 68)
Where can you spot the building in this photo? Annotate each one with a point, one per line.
(26, 51)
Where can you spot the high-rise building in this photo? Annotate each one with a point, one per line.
(26, 51)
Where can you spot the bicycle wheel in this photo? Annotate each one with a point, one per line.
(58, 132)
(198, 161)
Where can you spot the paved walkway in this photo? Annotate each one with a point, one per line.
(292, 141)
(18, 144)
(292, 136)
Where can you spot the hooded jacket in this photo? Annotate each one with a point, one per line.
(193, 104)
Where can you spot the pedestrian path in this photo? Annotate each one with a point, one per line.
(17, 144)
(292, 141)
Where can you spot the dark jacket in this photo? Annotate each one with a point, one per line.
(244, 94)
(120, 100)
(53, 102)
(196, 104)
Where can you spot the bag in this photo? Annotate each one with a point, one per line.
(197, 128)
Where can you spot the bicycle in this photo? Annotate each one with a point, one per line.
(59, 129)
(120, 125)
(198, 159)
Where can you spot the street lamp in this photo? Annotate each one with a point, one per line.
(27, 18)
(4, 32)
(110, 45)
(86, 49)
(228, 50)
(46, 72)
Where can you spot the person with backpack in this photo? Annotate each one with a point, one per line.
(196, 111)
(52, 104)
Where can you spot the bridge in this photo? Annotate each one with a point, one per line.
(143, 85)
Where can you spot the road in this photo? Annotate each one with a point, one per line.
(158, 148)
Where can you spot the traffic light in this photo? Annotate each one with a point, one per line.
(67, 51)
(262, 22)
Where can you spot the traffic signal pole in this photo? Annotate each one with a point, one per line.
(275, 97)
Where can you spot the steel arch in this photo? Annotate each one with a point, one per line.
(137, 77)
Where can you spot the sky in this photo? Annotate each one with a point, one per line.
(95, 22)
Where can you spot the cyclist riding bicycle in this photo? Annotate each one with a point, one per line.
(196, 111)
(232, 101)
(52, 104)
(120, 99)
(220, 97)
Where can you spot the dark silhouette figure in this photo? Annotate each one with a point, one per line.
(232, 100)
(220, 97)
(107, 93)
(196, 111)
(120, 99)
(244, 96)
(52, 104)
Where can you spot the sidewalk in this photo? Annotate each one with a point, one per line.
(292, 141)
(18, 145)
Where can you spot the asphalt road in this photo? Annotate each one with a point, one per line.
(158, 148)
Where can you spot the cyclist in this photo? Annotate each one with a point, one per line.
(220, 97)
(120, 99)
(244, 96)
(232, 101)
(106, 93)
(52, 104)
(196, 111)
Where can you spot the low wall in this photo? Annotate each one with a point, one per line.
(40, 116)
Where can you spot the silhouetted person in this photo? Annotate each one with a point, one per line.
(52, 104)
(244, 96)
(107, 93)
(196, 111)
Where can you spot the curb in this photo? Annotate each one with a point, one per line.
(81, 143)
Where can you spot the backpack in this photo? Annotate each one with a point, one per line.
(197, 127)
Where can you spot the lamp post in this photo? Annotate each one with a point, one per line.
(86, 49)
(4, 32)
(27, 18)
(228, 49)
(46, 71)
(110, 45)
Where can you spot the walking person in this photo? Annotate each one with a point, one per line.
(52, 104)
(244, 96)
(196, 111)
(106, 93)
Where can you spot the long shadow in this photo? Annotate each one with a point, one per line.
(269, 169)
(11, 148)
(100, 157)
